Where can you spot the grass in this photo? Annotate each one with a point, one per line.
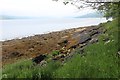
(25, 69)
(100, 61)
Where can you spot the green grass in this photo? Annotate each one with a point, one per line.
(56, 52)
(100, 60)
(25, 69)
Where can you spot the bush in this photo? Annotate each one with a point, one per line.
(56, 52)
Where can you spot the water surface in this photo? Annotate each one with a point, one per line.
(18, 28)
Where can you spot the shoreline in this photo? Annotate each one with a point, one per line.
(32, 35)
(65, 41)
(41, 28)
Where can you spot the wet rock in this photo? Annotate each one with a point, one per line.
(38, 59)
(84, 38)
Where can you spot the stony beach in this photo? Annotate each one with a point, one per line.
(65, 41)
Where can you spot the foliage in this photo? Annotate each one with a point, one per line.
(25, 69)
(100, 60)
(56, 52)
(110, 9)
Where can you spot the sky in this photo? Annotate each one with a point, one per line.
(40, 8)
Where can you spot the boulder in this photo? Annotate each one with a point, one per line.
(43, 63)
(84, 38)
(38, 59)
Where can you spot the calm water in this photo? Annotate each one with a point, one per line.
(18, 28)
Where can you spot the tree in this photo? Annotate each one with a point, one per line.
(109, 8)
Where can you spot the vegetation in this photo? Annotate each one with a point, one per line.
(110, 9)
(26, 69)
(56, 52)
(100, 60)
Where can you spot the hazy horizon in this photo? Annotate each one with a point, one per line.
(37, 8)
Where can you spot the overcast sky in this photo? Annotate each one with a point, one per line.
(41, 8)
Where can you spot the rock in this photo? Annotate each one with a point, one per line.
(38, 59)
(63, 42)
(82, 45)
(93, 32)
(79, 51)
(43, 63)
(106, 39)
(84, 38)
(93, 40)
(59, 57)
(31, 49)
(74, 46)
(77, 39)
(118, 52)
(15, 54)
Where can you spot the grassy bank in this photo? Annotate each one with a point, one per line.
(100, 60)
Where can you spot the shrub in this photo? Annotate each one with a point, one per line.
(56, 52)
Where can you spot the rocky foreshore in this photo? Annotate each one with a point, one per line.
(65, 42)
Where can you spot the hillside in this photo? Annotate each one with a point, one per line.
(88, 52)
(91, 15)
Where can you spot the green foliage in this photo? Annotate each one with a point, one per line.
(19, 69)
(25, 69)
(100, 60)
(109, 9)
(56, 52)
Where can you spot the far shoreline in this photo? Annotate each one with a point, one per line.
(45, 33)
(19, 34)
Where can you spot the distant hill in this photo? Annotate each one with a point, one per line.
(91, 15)
(12, 17)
